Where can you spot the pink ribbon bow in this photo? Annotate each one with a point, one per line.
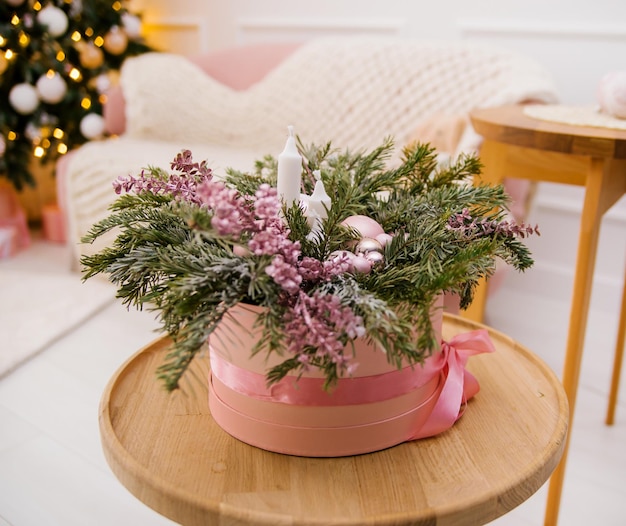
(459, 384)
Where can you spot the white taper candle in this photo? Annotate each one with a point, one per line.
(289, 171)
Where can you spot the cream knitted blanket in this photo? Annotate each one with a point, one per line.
(353, 91)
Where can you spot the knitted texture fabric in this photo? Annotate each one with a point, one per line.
(352, 91)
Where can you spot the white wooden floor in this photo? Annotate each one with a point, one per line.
(53, 473)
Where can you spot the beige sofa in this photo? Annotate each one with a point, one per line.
(233, 107)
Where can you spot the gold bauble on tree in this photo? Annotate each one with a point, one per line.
(91, 56)
(116, 41)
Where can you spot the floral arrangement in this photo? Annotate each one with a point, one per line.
(369, 262)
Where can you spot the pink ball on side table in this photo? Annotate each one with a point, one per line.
(612, 94)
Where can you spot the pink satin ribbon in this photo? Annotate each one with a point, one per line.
(310, 391)
(459, 385)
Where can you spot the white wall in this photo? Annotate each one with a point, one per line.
(576, 40)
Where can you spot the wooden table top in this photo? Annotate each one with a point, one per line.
(510, 125)
(167, 450)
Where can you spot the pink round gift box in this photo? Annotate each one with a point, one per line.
(379, 406)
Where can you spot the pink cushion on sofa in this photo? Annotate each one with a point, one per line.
(113, 111)
(253, 62)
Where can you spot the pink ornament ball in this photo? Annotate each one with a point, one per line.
(364, 225)
(362, 264)
(612, 94)
(383, 238)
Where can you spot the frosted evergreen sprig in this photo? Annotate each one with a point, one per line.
(468, 226)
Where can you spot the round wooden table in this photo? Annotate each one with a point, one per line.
(167, 450)
(517, 145)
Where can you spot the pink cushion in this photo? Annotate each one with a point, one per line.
(241, 67)
(113, 111)
(238, 68)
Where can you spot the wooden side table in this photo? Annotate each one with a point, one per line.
(516, 145)
(167, 450)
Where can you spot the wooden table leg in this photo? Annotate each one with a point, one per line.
(617, 360)
(600, 195)
(476, 311)
(493, 155)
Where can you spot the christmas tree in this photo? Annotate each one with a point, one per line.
(57, 60)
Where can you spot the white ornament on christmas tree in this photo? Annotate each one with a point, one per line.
(23, 98)
(103, 83)
(76, 8)
(32, 131)
(54, 19)
(132, 25)
(92, 126)
(51, 87)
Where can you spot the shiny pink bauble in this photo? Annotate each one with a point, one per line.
(362, 264)
(383, 238)
(364, 225)
(358, 262)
